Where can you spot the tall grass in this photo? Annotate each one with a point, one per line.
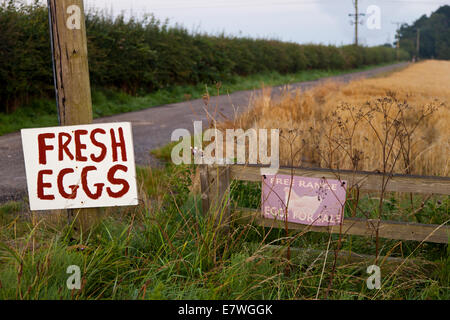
(166, 249)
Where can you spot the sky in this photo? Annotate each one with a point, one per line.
(301, 21)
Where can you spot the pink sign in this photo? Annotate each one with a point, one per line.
(310, 201)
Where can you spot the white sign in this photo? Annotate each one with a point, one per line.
(81, 166)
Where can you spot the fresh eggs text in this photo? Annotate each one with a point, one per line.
(73, 146)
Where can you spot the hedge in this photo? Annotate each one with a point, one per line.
(144, 55)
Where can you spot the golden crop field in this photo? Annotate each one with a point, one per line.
(399, 122)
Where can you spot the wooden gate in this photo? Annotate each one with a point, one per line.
(216, 180)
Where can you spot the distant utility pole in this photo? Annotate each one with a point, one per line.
(397, 36)
(357, 21)
(418, 43)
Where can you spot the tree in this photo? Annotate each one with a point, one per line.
(434, 35)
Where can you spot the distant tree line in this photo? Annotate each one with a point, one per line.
(433, 34)
(144, 55)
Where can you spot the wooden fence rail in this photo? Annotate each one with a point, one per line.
(215, 182)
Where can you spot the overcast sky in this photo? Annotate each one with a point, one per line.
(316, 21)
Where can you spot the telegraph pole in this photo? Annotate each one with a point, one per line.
(71, 75)
(397, 36)
(418, 43)
(69, 46)
(357, 21)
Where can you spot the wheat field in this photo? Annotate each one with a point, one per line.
(396, 123)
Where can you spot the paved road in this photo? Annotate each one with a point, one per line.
(152, 128)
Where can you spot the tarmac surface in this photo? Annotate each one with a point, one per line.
(153, 127)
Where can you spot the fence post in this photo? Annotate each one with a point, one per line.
(215, 183)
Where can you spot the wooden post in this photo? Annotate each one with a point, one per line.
(397, 36)
(418, 43)
(204, 187)
(71, 74)
(215, 182)
(73, 90)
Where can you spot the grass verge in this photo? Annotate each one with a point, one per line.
(166, 249)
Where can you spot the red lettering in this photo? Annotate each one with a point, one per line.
(84, 183)
(96, 143)
(62, 146)
(74, 188)
(41, 185)
(43, 147)
(115, 181)
(79, 146)
(115, 145)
